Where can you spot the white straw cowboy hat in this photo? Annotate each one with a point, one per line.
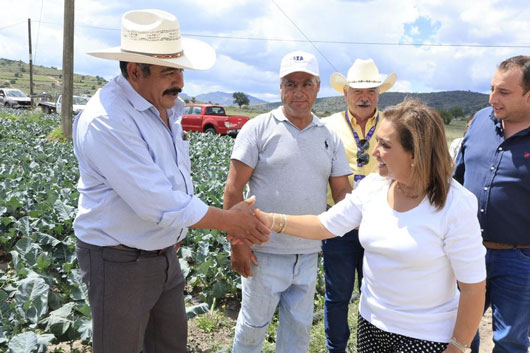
(153, 37)
(362, 74)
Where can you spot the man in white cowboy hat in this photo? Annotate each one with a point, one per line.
(356, 125)
(136, 195)
(287, 157)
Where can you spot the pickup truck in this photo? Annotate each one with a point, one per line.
(211, 119)
(78, 104)
(14, 98)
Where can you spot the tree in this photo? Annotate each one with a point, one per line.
(240, 98)
(456, 112)
(446, 116)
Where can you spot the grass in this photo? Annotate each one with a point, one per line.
(15, 74)
(217, 322)
(455, 129)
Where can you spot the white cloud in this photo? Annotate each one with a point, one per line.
(338, 29)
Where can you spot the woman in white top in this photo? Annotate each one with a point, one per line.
(421, 237)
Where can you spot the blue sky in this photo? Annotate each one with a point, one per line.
(431, 45)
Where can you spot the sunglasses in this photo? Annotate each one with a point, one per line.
(362, 157)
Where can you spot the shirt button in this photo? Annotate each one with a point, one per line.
(500, 148)
(482, 230)
(492, 168)
(482, 210)
(485, 188)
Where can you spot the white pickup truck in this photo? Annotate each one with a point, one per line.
(14, 98)
(78, 104)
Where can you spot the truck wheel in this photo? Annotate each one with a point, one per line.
(209, 130)
(7, 105)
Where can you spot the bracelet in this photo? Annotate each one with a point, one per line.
(283, 224)
(273, 220)
(461, 347)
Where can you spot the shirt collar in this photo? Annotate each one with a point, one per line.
(138, 102)
(141, 104)
(278, 115)
(353, 119)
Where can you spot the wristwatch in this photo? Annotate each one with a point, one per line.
(461, 347)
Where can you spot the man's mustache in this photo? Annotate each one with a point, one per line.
(172, 91)
(364, 104)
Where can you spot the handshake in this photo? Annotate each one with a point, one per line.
(251, 226)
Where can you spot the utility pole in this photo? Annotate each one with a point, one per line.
(68, 68)
(30, 63)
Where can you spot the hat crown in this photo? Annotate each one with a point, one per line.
(150, 32)
(299, 61)
(364, 71)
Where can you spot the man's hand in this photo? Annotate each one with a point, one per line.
(244, 226)
(240, 258)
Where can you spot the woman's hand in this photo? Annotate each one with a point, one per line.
(268, 219)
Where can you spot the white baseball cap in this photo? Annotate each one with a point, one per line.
(299, 61)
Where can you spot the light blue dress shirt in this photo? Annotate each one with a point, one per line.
(135, 185)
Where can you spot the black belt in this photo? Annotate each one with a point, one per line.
(501, 246)
(159, 252)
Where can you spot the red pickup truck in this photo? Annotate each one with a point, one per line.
(212, 119)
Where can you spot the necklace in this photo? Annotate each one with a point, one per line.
(406, 193)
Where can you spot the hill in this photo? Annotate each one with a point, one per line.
(224, 98)
(15, 74)
(469, 101)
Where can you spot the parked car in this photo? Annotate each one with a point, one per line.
(14, 98)
(78, 105)
(211, 119)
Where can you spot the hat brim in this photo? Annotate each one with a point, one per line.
(338, 81)
(197, 55)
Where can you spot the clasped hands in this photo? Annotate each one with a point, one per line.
(252, 226)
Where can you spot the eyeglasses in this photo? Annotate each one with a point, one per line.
(362, 157)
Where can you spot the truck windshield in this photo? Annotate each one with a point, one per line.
(15, 93)
(79, 101)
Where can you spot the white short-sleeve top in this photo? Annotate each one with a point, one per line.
(412, 259)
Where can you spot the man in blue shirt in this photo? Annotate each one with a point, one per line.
(136, 195)
(494, 163)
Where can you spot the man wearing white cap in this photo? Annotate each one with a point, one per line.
(136, 195)
(343, 256)
(287, 156)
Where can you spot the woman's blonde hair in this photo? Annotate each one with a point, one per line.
(421, 131)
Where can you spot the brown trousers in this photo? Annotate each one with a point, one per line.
(136, 299)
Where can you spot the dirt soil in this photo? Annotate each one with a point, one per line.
(200, 341)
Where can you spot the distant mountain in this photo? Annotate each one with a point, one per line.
(222, 98)
(469, 101)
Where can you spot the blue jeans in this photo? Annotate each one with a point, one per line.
(343, 257)
(508, 294)
(287, 280)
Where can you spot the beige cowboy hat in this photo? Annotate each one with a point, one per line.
(362, 74)
(153, 37)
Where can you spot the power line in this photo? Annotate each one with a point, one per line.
(13, 25)
(360, 43)
(413, 44)
(306, 37)
(38, 32)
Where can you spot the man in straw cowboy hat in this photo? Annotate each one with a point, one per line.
(287, 157)
(356, 125)
(136, 194)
